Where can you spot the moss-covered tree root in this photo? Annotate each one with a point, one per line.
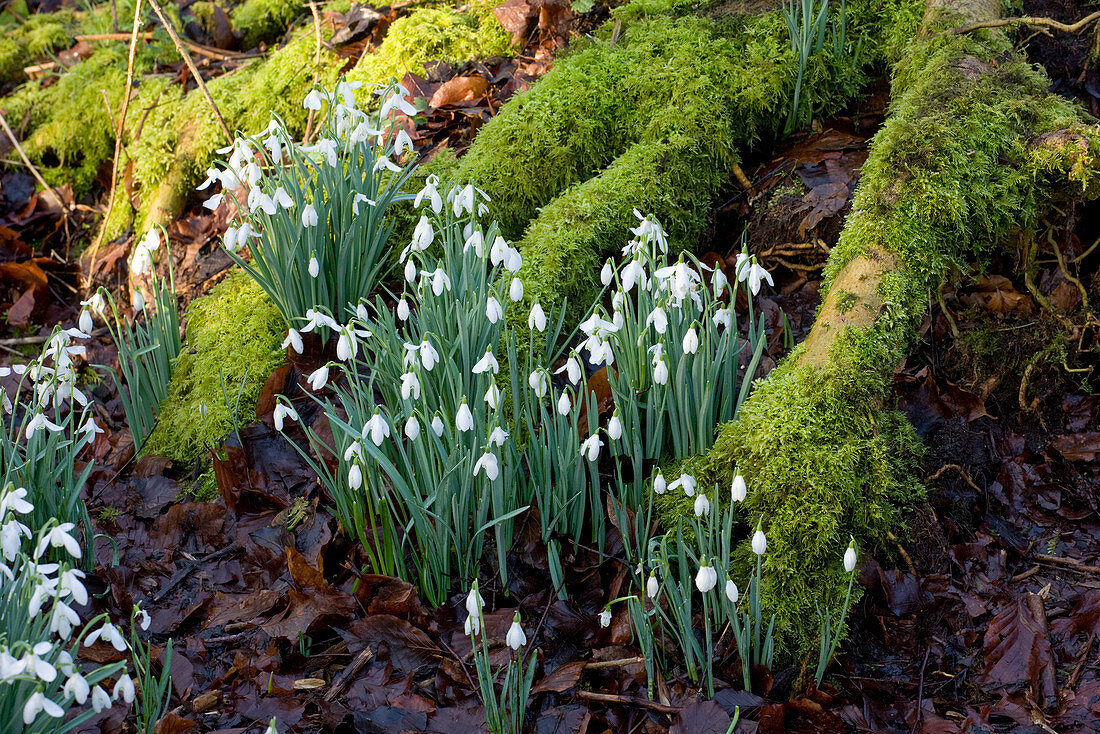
(974, 151)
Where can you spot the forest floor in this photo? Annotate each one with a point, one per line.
(982, 617)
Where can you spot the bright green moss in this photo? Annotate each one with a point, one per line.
(433, 34)
(42, 34)
(233, 337)
(263, 21)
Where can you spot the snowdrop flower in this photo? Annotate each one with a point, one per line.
(738, 489)
(137, 300)
(651, 586)
(309, 216)
(463, 200)
(490, 464)
(536, 320)
(143, 619)
(706, 579)
(702, 505)
(602, 353)
(282, 412)
(108, 633)
(486, 363)
(59, 537)
(515, 290)
(63, 619)
(318, 378)
(294, 340)
(464, 419)
(347, 346)
(77, 687)
(315, 320)
(850, 557)
(591, 447)
(213, 202)
(124, 687)
(359, 199)
(474, 605)
(615, 427)
(212, 175)
(572, 368)
(691, 341)
(658, 318)
(477, 241)
(493, 310)
(634, 272)
(605, 618)
(606, 273)
(564, 405)
(403, 310)
(70, 582)
(539, 381)
(397, 100)
(85, 322)
(37, 703)
(312, 101)
(90, 428)
(355, 477)
(649, 228)
(428, 356)
(437, 425)
(492, 396)
(498, 436)
(659, 485)
(9, 666)
(440, 282)
(410, 271)
(314, 266)
(660, 372)
(431, 193)
(15, 501)
(282, 198)
(378, 429)
(687, 482)
(731, 591)
(759, 542)
(33, 663)
(353, 450)
(423, 236)
(515, 637)
(100, 699)
(11, 538)
(410, 386)
(412, 428)
(498, 251)
(402, 142)
(271, 727)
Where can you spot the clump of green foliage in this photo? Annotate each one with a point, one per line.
(434, 34)
(234, 337)
(42, 34)
(262, 21)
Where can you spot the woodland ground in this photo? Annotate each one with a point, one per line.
(982, 616)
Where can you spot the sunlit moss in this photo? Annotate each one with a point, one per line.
(42, 34)
(260, 21)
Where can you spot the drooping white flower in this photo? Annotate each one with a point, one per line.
(536, 320)
(463, 199)
(498, 436)
(539, 381)
(378, 429)
(271, 727)
(731, 591)
(423, 235)
(515, 638)
(402, 142)
(397, 101)
(315, 320)
(474, 606)
(615, 427)
(34, 663)
(282, 412)
(137, 300)
(493, 310)
(706, 578)
(100, 699)
(605, 618)
(686, 482)
(429, 357)
(59, 537)
(738, 490)
(572, 368)
(77, 687)
(476, 240)
(432, 193)
(410, 386)
(37, 704)
(464, 419)
(702, 505)
(660, 372)
(11, 538)
(659, 485)
(606, 273)
(282, 198)
(63, 619)
(410, 271)
(318, 378)
(314, 266)
(347, 346)
(652, 587)
(490, 464)
(492, 396)
(15, 500)
(213, 202)
(658, 318)
(403, 310)
(440, 281)
(309, 216)
(515, 290)
(759, 542)
(124, 688)
(108, 633)
(591, 447)
(437, 425)
(143, 619)
(486, 363)
(634, 272)
(312, 101)
(691, 341)
(850, 557)
(412, 428)
(294, 341)
(355, 477)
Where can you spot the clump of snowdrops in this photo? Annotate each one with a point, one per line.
(313, 217)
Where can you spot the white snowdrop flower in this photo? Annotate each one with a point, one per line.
(591, 447)
(347, 345)
(318, 378)
(412, 428)
(489, 463)
(312, 101)
(282, 412)
(658, 318)
(423, 235)
(309, 216)
(691, 341)
(498, 251)
(282, 198)
(15, 501)
(660, 372)
(294, 341)
(731, 591)
(498, 436)
(9, 666)
(212, 175)
(213, 202)
(539, 381)
(513, 262)
(474, 602)
(77, 687)
(702, 505)
(685, 482)
(652, 587)
(471, 626)
(403, 310)
(464, 419)
(850, 557)
(706, 579)
(440, 282)
(317, 320)
(402, 142)
(271, 727)
(85, 322)
(410, 386)
(314, 266)
(615, 427)
(606, 273)
(69, 582)
(397, 101)
(493, 310)
(428, 356)
(634, 272)
(11, 538)
(59, 537)
(719, 281)
(231, 240)
(463, 200)
(137, 300)
(100, 699)
(437, 425)
(515, 638)
(605, 618)
(410, 271)
(602, 353)
(108, 633)
(354, 449)
(378, 429)
(515, 290)
(759, 542)
(564, 406)
(124, 688)
(355, 477)
(90, 427)
(361, 199)
(486, 363)
(477, 241)
(431, 193)
(33, 663)
(659, 485)
(492, 396)
(738, 490)
(63, 619)
(37, 704)
(141, 262)
(143, 619)
(756, 275)
(572, 368)
(536, 320)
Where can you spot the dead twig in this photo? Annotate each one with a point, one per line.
(1028, 21)
(961, 471)
(1082, 658)
(598, 664)
(629, 701)
(1048, 693)
(348, 674)
(1070, 563)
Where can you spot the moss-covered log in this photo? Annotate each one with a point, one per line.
(973, 152)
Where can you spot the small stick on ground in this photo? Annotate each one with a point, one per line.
(1070, 563)
(961, 471)
(1048, 695)
(348, 673)
(1028, 21)
(629, 701)
(598, 664)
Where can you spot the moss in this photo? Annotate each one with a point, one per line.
(260, 21)
(434, 34)
(846, 301)
(233, 337)
(42, 34)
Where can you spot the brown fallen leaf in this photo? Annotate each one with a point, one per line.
(460, 89)
(562, 679)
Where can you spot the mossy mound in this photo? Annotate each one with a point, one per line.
(41, 35)
(434, 34)
(234, 336)
(263, 21)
